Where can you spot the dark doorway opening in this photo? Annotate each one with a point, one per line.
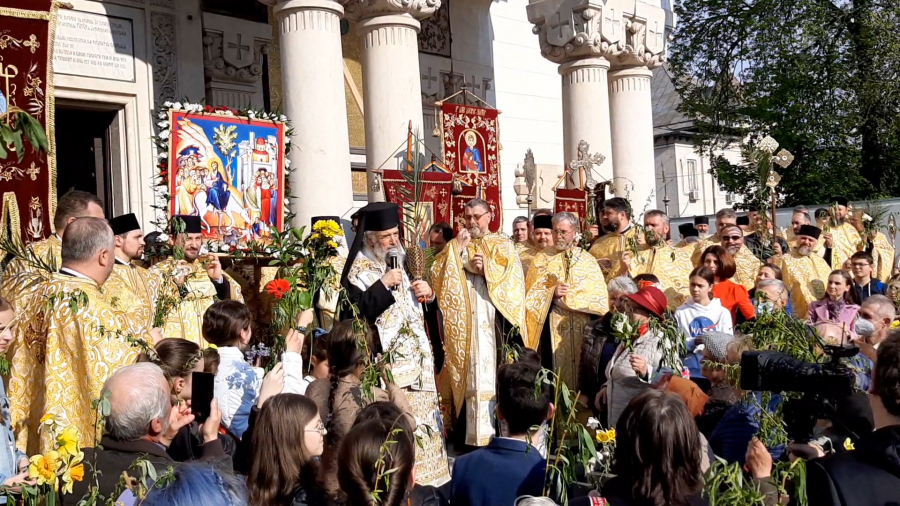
(85, 143)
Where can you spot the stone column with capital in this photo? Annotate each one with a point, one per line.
(573, 35)
(391, 83)
(630, 101)
(313, 90)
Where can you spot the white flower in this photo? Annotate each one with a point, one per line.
(578, 238)
(287, 202)
(282, 118)
(162, 155)
(177, 106)
(164, 134)
(667, 344)
(227, 113)
(167, 104)
(699, 348)
(163, 115)
(593, 423)
(287, 141)
(251, 114)
(287, 162)
(866, 217)
(204, 250)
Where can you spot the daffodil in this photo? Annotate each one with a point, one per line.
(67, 442)
(602, 437)
(46, 418)
(72, 474)
(612, 434)
(848, 445)
(42, 468)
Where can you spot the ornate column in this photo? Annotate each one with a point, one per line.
(574, 35)
(630, 103)
(391, 82)
(313, 90)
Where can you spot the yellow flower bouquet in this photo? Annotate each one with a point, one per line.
(54, 471)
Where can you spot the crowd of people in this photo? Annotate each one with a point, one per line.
(435, 390)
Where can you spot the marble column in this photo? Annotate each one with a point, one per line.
(585, 103)
(313, 90)
(392, 87)
(631, 119)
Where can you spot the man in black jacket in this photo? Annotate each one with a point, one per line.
(870, 474)
(140, 425)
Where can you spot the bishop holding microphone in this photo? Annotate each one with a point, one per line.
(405, 318)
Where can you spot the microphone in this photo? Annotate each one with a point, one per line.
(393, 261)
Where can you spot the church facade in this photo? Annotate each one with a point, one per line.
(352, 76)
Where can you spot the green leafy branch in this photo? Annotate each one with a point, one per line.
(16, 123)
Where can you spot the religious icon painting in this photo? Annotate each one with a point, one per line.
(230, 171)
(470, 146)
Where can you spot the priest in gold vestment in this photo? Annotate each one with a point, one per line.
(841, 238)
(22, 274)
(746, 263)
(724, 217)
(200, 283)
(71, 339)
(798, 219)
(804, 273)
(669, 264)
(877, 244)
(565, 289)
(541, 239)
(480, 288)
(133, 289)
(620, 236)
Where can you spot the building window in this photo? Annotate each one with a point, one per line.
(358, 175)
(693, 181)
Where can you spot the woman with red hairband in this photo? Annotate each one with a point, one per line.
(632, 366)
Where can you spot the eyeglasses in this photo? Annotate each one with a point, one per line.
(860, 264)
(475, 217)
(319, 428)
(732, 237)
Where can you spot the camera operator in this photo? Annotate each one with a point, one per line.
(870, 474)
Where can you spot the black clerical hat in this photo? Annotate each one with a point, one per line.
(543, 221)
(123, 224)
(809, 230)
(743, 220)
(701, 220)
(191, 223)
(316, 219)
(840, 200)
(688, 230)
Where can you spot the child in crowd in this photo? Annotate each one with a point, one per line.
(317, 351)
(703, 313)
(226, 325)
(13, 463)
(508, 467)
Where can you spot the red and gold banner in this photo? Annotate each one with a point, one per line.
(434, 203)
(470, 146)
(573, 201)
(28, 187)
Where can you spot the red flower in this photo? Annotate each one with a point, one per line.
(208, 108)
(278, 288)
(641, 330)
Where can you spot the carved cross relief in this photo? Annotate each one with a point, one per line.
(560, 28)
(429, 78)
(236, 51)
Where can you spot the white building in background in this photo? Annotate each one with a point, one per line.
(682, 174)
(352, 75)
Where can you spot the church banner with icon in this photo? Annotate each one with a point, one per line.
(573, 201)
(470, 146)
(434, 203)
(229, 170)
(27, 176)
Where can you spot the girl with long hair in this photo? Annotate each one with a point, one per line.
(840, 303)
(339, 397)
(226, 325)
(734, 297)
(288, 439)
(371, 449)
(704, 312)
(179, 359)
(658, 454)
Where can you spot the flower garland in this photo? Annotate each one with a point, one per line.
(160, 184)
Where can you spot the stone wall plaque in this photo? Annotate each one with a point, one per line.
(94, 45)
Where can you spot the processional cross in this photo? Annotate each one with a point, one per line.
(783, 159)
(584, 164)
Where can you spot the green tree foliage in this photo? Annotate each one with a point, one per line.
(820, 76)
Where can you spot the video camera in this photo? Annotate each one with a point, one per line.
(827, 388)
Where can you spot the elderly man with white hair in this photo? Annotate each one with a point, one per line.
(400, 308)
(140, 424)
(72, 337)
(874, 323)
(564, 287)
